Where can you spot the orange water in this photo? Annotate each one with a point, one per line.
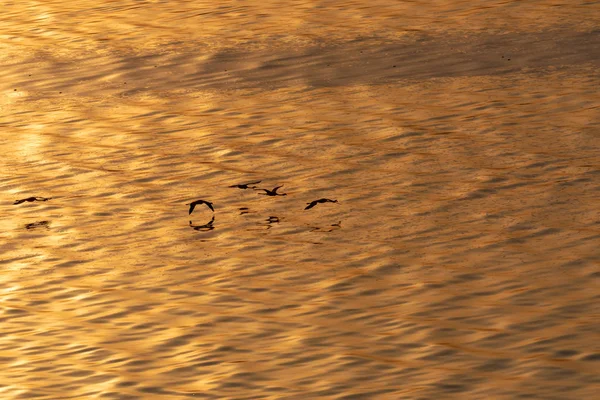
(462, 143)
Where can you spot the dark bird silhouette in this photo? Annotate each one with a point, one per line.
(273, 192)
(32, 199)
(246, 185)
(315, 202)
(194, 203)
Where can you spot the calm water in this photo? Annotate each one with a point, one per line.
(461, 141)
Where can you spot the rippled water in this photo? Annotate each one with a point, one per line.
(462, 143)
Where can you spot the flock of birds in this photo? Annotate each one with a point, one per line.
(193, 204)
(268, 192)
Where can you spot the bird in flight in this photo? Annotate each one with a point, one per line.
(32, 199)
(315, 202)
(246, 185)
(273, 192)
(194, 203)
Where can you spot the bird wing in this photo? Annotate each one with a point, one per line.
(192, 205)
(311, 205)
(276, 187)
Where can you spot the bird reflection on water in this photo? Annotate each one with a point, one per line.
(38, 224)
(204, 228)
(33, 198)
(333, 227)
(270, 221)
(268, 224)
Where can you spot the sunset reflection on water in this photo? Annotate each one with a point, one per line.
(460, 140)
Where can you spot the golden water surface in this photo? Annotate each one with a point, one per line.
(460, 138)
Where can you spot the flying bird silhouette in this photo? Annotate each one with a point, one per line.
(273, 192)
(245, 185)
(32, 199)
(193, 204)
(315, 202)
